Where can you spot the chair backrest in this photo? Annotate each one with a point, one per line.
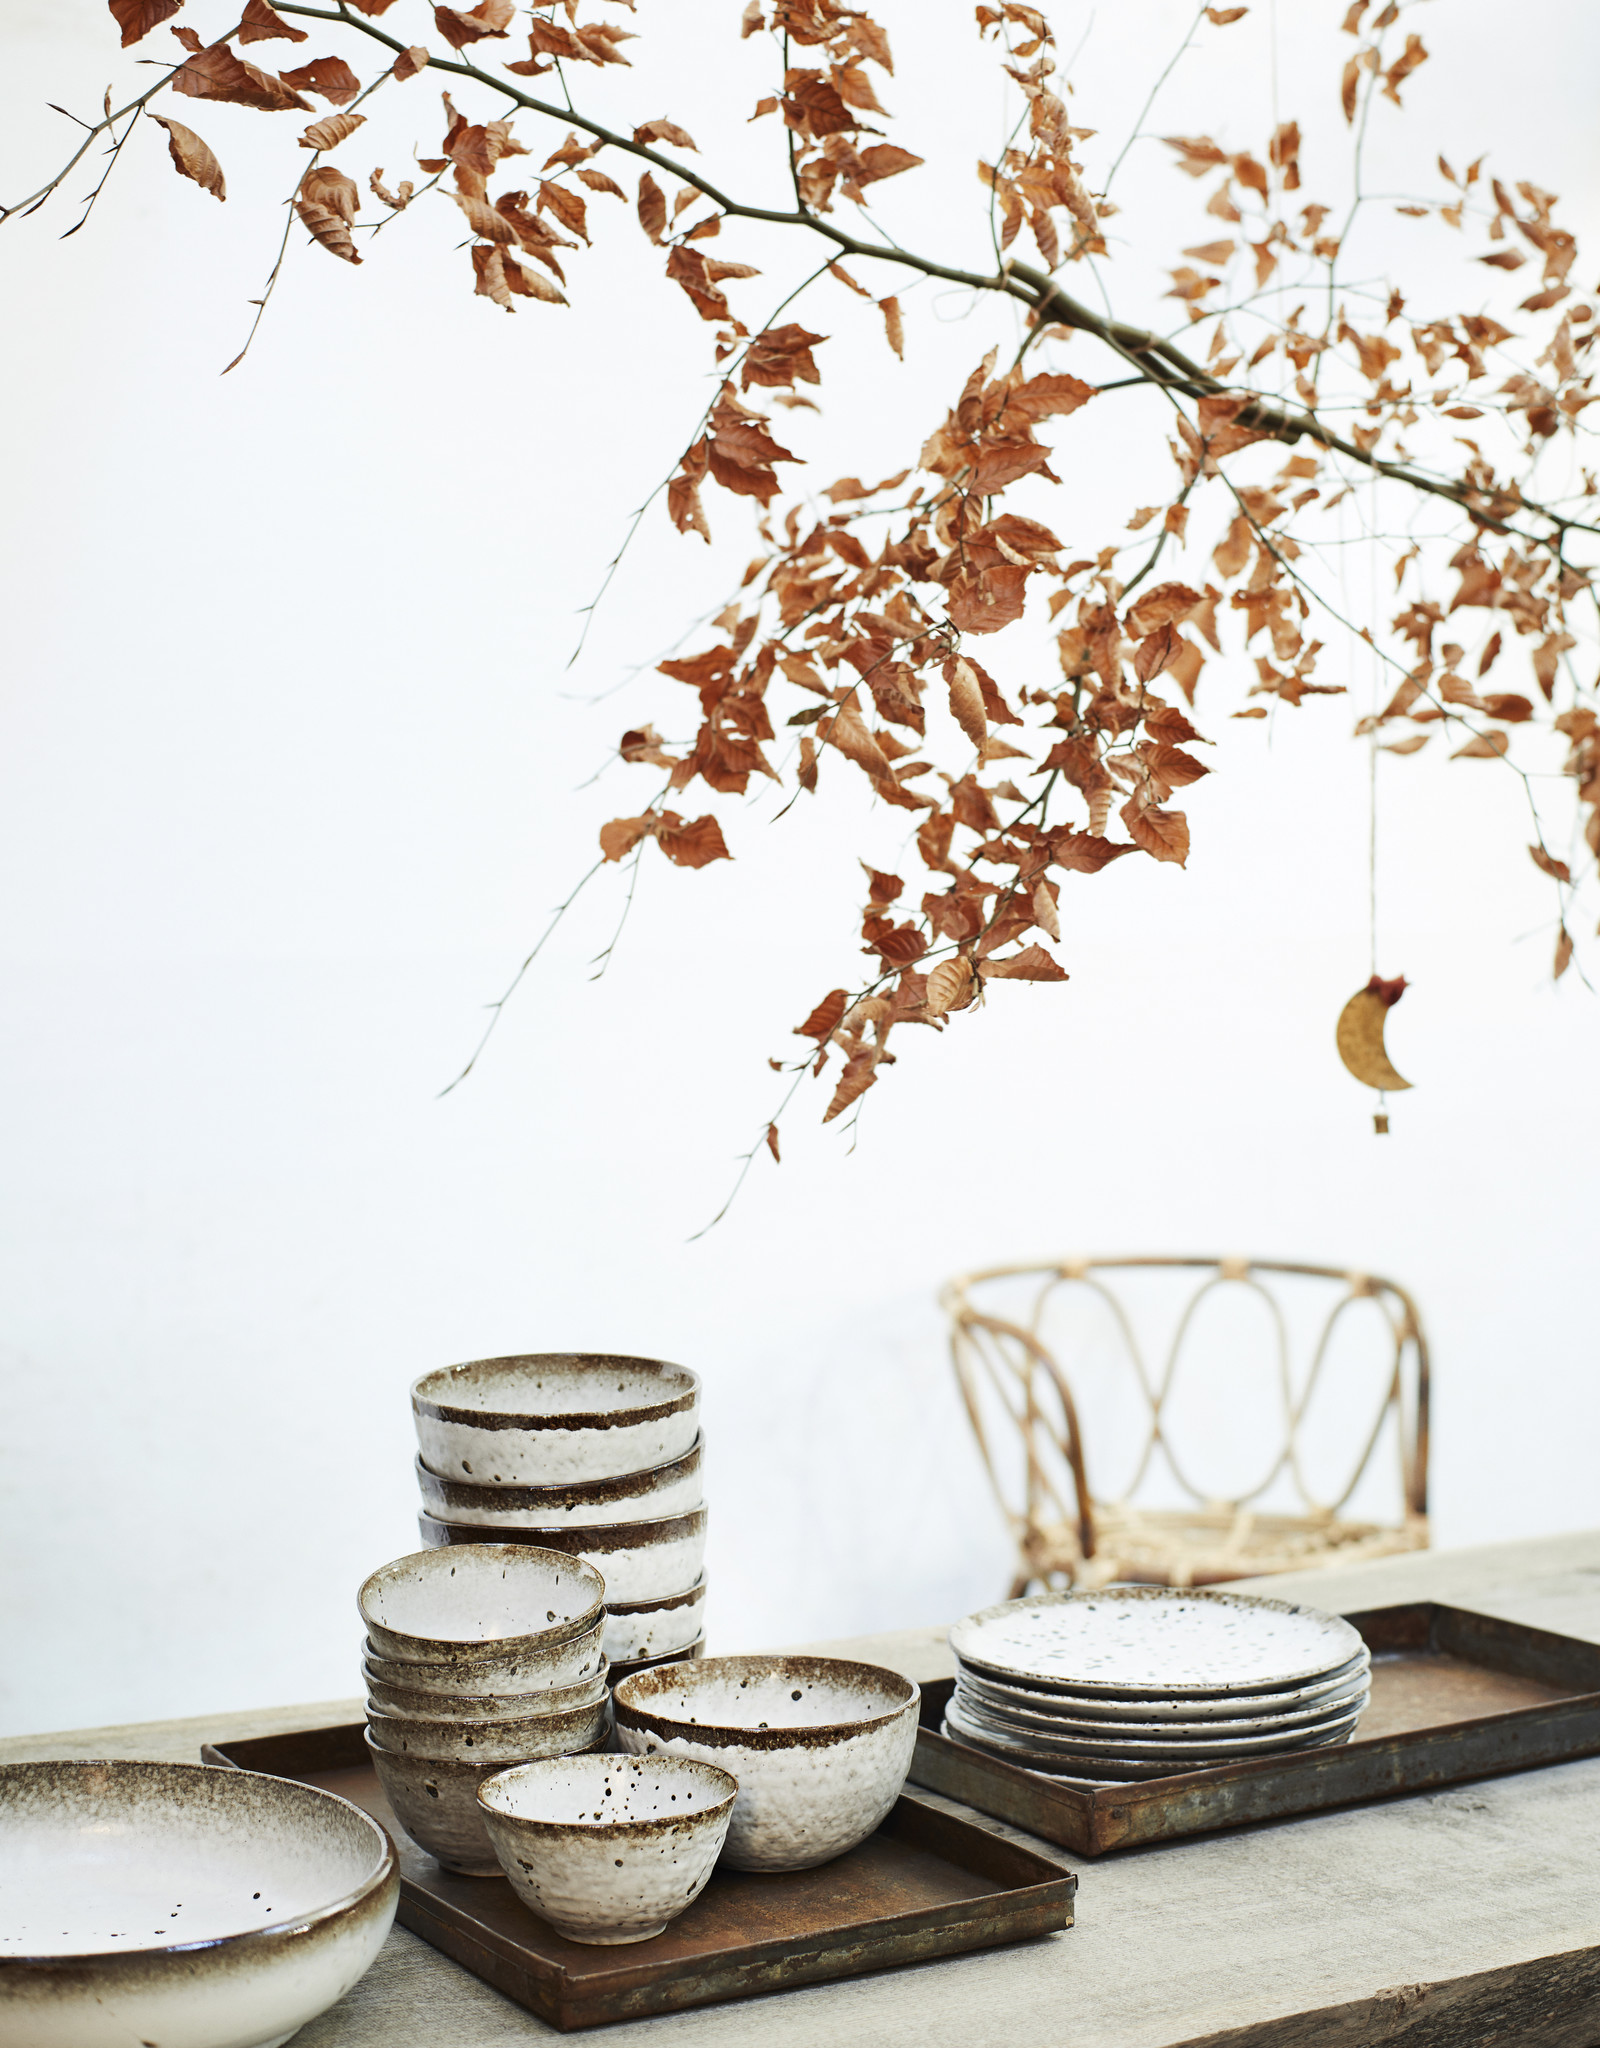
(1019, 1380)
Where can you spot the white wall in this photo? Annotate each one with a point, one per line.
(293, 770)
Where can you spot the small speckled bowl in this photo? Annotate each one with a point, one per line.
(407, 1703)
(643, 1630)
(669, 1489)
(608, 1849)
(551, 1418)
(820, 1746)
(497, 1668)
(501, 1742)
(436, 1804)
(184, 1904)
(638, 1560)
(477, 1602)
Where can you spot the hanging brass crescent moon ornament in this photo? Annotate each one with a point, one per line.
(1359, 1034)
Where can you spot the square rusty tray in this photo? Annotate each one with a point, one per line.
(927, 1884)
(1455, 1695)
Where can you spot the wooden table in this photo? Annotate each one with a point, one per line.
(1454, 1920)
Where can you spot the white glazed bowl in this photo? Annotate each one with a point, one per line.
(637, 1560)
(184, 1904)
(554, 1417)
(820, 1747)
(500, 1742)
(688, 1654)
(408, 1703)
(608, 1849)
(648, 1496)
(495, 1668)
(436, 1804)
(478, 1601)
(641, 1630)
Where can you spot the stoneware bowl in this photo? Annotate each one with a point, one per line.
(554, 1417)
(436, 1804)
(500, 1742)
(608, 1848)
(477, 1602)
(635, 1497)
(405, 1703)
(638, 1560)
(646, 1629)
(820, 1747)
(496, 1668)
(695, 1650)
(180, 1904)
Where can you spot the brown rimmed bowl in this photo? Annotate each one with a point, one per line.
(185, 1904)
(643, 1631)
(493, 1668)
(820, 1746)
(406, 1703)
(638, 1561)
(647, 1496)
(479, 1602)
(553, 1418)
(608, 1849)
(502, 1742)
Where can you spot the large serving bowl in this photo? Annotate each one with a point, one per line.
(641, 1631)
(477, 1603)
(511, 1668)
(663, 1490)
(180, 1904)
(407, 1703)
(820, 1747)
(554, 1417)
(638, 1560)
(502, 1742)
(608, 1849)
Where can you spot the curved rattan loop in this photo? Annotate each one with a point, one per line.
(1089, 1541)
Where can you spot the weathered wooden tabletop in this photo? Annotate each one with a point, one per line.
(1454, 1920)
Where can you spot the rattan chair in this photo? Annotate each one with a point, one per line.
(1066, 1531)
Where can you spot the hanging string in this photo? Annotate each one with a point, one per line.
(1380, 1120)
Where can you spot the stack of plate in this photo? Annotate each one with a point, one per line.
(1148, 1681)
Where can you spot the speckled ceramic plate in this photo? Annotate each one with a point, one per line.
(1022, 1721)
(1223, 1749)
(1156, 1641)
(1095, 1769)
(1197, 1709)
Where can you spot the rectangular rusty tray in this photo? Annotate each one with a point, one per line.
(927, 1884)
(1455, 1695)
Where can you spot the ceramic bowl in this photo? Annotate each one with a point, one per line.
(691, 1654)
(637, 1560)
(554, 1417)
(478, 1602)
(820, 1747)
(668, 1489)
(184, 1904)
(608, 1849)
(643, 1630)
(495, 1668)
(502, 1742)
(408, 1704)
(436, 1804)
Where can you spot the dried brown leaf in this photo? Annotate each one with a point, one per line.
(217, 74)
(259, 24)
(652, 208)
(193, 157)
(893, 325)
(1549, 865)
(459, 27)
(409, 63)
(966, 700)
(136, 18)
(1033, 963)
(329, 132)
(327, 203)
(330, 78)
(824, 1019)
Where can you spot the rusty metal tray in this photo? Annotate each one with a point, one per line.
(1455, 1695)
(927, 1884)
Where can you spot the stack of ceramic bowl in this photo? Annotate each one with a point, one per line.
(477, 1658)
(1148, 1681)
(581, 1452)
